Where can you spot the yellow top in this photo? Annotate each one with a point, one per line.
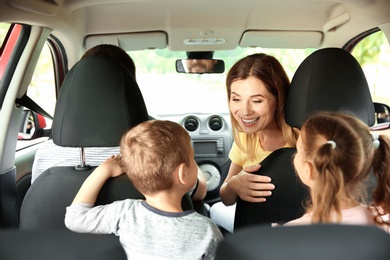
(241, 158)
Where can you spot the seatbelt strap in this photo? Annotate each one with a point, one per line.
(27, 102)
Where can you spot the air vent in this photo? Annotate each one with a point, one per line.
(191, 124)
(215, 123)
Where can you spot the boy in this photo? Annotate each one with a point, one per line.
(158, 158)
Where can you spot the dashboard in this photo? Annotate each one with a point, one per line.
(211, 136)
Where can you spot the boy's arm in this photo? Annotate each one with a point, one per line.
(200, 190)
(93, 184)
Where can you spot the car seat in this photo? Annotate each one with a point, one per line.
(329, 79)
(98, 102)
(59, 244)
(320, 242)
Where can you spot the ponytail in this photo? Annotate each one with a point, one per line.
(381, 169)
(330, 180)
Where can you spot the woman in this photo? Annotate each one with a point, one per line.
(257, 87)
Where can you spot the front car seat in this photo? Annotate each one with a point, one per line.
(329, 79)
(320, 242)
(98, 102)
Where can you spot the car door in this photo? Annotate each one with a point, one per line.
(27, 68)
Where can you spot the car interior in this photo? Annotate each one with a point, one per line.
(336, 54)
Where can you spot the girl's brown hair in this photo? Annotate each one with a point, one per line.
(342, 169)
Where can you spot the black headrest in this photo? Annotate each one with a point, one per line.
(98, 102)
(329, 79)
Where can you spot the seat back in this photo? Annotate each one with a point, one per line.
(320, 242)
(98, 102)
(327, 80)
(44, 205)
(285, 204)
(59, 245)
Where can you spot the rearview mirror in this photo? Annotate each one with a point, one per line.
(200, 66)
(382, 116)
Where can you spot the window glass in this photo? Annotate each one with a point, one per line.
(373, 54)
(42, 85)
(3, 31)
(167, 92)
(42, 91)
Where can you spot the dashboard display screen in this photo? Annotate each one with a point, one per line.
(205, 147)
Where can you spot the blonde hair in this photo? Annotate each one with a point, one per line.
(151, 151)
(269, 70)
(341, 169)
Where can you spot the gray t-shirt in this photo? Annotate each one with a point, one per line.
(146, 232)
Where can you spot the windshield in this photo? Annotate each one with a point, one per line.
(167, 92)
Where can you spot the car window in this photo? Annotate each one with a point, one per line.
(4, 27)
(3, 31)
(42, 91)
(167, 92)
(42, 86)
(373, 54)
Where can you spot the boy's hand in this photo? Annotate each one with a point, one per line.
(112, 166)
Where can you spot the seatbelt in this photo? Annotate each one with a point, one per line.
(27, 102)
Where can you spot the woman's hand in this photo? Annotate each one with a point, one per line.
(251, 187)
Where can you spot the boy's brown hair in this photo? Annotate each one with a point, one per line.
(151, 151)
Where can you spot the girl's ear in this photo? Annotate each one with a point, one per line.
(308, 168)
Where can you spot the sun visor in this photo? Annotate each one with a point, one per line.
(45, 7)
(130, 41)
(281, 39)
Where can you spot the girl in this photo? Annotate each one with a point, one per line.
(335, 154)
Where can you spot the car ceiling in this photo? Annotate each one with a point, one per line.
(213, 25)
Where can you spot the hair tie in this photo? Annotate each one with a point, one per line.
(332, 143)
(375, 142)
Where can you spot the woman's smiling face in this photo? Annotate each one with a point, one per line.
(252, 105)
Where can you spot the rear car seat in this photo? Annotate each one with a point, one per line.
(98, 102)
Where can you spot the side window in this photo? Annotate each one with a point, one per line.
(42, 86)
(3, 32)
(42, 91)
(373, 54)
(4, 52)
